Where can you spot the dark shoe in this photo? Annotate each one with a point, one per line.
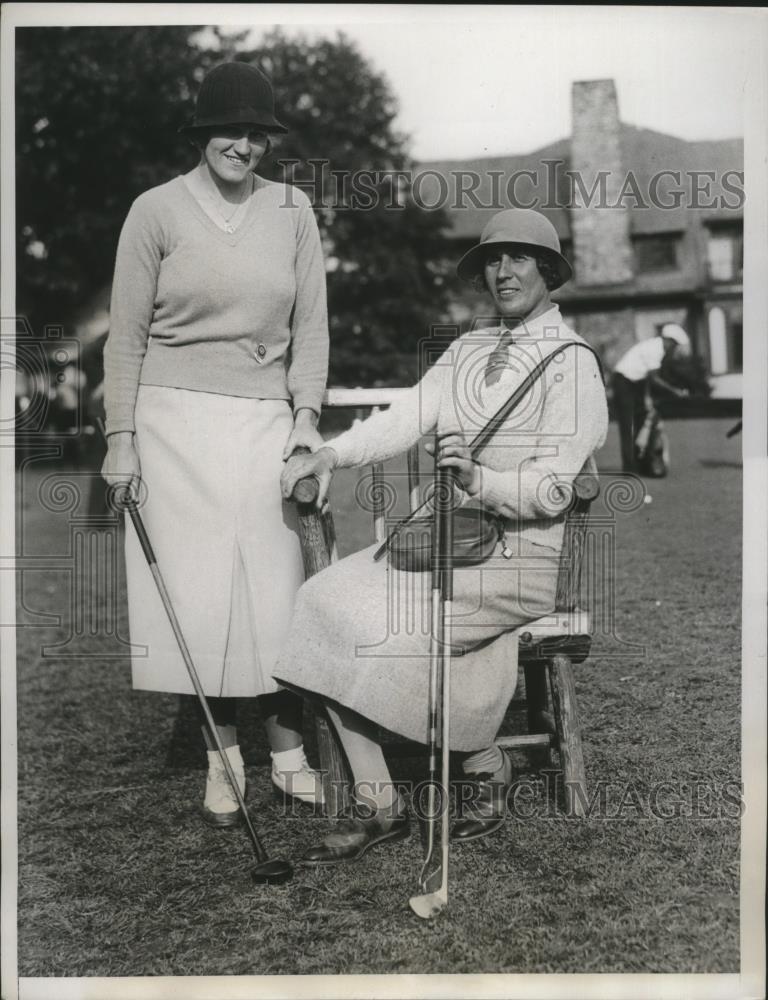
(221, 820)
(486, 812)
(352, 837)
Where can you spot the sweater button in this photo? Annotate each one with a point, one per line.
(260, 353)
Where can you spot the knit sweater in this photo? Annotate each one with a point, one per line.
(528, 465)
(193, 307)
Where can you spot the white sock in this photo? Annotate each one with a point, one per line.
(217, 773)
(233, 753)
(487, 761)
(288, 760)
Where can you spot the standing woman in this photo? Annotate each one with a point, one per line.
(215, 368)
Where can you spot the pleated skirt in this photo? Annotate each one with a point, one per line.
(226, 543)
(361, 636)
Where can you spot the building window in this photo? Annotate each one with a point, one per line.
(655, 253)
(726, 348)
(725, 254)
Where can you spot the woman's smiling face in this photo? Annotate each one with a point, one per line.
(515, 282)
(233, 151)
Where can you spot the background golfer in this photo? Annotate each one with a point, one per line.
(215, 368)
(631, 381)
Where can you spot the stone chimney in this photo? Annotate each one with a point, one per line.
(601, 246)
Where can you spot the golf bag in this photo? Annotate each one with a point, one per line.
(652, 447)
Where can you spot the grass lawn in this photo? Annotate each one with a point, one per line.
(119, 877)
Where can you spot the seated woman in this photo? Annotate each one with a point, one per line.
(360, 632)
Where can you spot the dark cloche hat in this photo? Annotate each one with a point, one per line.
(235, 93)
(516, 225)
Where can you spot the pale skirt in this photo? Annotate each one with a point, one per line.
(360, 637)
(226, 543)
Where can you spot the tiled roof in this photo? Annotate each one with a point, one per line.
(645, 153)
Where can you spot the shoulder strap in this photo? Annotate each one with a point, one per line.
(482, 438)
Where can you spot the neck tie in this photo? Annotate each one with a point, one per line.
(498, 359)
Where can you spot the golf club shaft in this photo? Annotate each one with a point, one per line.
(434, 661)
(129, 503)
(446, 606)
(258, 848)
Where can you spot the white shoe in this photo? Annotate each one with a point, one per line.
(220, 806)
(303, 783)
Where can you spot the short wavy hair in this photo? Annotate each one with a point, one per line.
(544, 264)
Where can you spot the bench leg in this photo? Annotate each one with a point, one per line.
(568, 734)
(333, 765)
(539, 719)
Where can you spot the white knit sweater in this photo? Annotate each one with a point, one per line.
(528, 465)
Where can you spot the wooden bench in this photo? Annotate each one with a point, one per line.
(547, 649)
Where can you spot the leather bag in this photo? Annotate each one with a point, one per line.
(475, 534)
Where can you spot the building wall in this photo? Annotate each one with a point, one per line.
(648, 321)
(689, 271)
(610, 332)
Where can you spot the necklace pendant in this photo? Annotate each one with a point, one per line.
(229, 229)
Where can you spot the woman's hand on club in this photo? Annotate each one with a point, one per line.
(304, 434)
(454, 453)
(121, 467)
(320, 464)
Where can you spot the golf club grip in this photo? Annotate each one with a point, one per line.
(138, 524)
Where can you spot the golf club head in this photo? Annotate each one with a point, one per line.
(273, 872)
(430, 905)
(430, 881)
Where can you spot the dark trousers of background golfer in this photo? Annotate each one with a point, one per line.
(629, 408)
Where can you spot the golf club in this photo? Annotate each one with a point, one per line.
(434, 693)
(267, 871)
(432, 901)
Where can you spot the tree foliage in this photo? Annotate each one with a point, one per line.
(386, 286)
(97, 116)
